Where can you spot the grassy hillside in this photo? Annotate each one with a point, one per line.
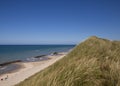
(94, 62)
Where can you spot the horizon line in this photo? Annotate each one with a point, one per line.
(37, 44)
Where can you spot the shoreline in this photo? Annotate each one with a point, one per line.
(11, 66)
(28, 69)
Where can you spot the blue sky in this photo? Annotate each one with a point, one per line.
(58, 21)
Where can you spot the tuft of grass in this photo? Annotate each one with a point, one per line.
(94, 62)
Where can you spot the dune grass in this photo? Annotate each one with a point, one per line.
(94, 62)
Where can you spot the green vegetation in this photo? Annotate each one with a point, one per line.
(95, 62)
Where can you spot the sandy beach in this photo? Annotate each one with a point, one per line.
(28, 69)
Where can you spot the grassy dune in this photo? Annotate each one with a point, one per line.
(94, 62)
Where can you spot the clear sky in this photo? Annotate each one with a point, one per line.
(58, 21)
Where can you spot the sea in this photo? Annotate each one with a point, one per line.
(23, 52)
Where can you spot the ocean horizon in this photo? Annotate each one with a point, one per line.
(22, 52)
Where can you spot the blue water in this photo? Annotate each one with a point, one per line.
(22, 52)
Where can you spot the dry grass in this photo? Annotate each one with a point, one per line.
(95, 62)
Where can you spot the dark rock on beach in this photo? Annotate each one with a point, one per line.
(55, 53)
(10, 62)
(39, 56)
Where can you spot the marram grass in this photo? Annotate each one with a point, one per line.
(94, 62)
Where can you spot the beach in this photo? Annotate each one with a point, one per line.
(28, 69)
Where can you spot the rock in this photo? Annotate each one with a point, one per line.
(39, 56)
(10, 62)
(55, 53)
